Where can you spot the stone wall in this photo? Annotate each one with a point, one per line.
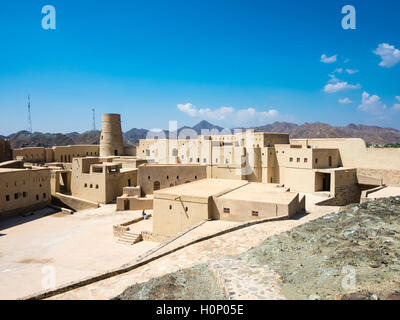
(388, 177)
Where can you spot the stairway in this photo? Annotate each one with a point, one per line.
(129, 237)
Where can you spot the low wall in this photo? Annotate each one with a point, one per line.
(119, 229)
(73, 203)
(135, 203)
(153, 237)
(21, 211)
(346, 195)
(343, 197)
(387, 177)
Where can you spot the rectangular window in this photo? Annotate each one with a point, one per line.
(7, 198)
(291, 159)
(254, 213)
(298, 159)
(227, 210)
(305, 160)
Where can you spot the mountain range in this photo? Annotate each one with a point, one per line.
(371, 134)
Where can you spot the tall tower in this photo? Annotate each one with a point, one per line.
(111, 142)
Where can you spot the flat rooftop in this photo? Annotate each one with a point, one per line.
(8, 170)
(230, 189)
(261, 192)
(203, 188)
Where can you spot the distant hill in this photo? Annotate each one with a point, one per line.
(371, 134)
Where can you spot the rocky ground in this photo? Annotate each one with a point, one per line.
(319, 259)
(353, 254)
(196, 283)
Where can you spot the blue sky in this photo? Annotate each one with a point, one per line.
(233, 63)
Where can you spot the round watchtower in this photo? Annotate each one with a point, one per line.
(111, 142)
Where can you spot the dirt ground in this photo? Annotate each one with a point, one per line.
(70, 246)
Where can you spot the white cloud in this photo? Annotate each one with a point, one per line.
(340, 86)
(188, 108)
(217, 114)
(345, 101)
(333, 79)
(326, 59)
(338, 70)
(371, 104)
(389, 54)
(249, 115)
(351, 71)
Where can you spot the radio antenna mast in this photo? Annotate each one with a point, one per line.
(29, 114)
(94, 119)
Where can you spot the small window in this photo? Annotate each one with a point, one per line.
(305, 160)
(316, 160)
(186, 209)
(298, 159)
(204, 160)
(170, 207)
(44, 196)
(91, 186)
(37, 197)
(15, 195)
(195, 177)
(7, 197)
(167, 177)
(24, 194)
(97, 186)
(254, 213)
(85, 185)
(227, 210)
(148, 177)
(291, 159)
(177, 177)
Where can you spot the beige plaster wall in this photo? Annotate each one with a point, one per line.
(173, 216)
(23, 189)
(168, 175)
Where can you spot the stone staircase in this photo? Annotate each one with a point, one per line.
(129, 237)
